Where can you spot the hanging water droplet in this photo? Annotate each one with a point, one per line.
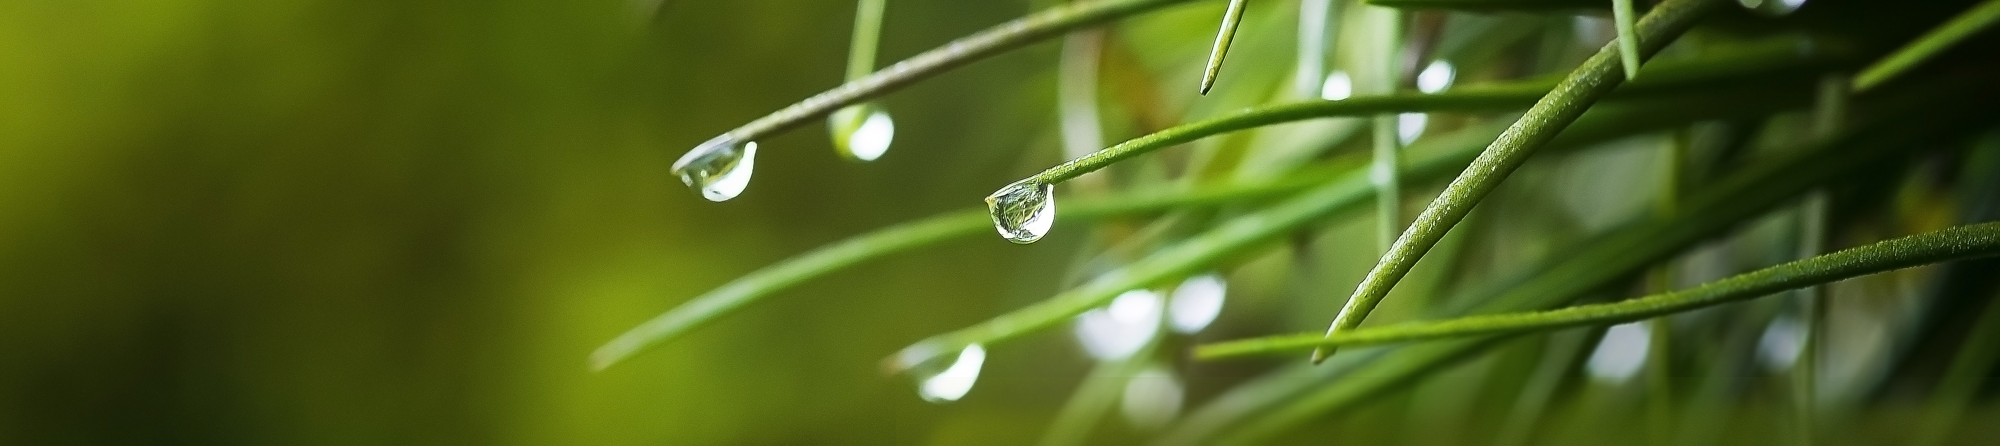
(1772, 7)
(1436, 77)
(1122, 328)
(719, 168)
(1024, 211)
(1338, 86)
(862, 132)
(942, 383)
(1196, 303)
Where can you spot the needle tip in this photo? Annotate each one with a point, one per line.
(1320, 355)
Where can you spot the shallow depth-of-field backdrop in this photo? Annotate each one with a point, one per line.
(412, 222)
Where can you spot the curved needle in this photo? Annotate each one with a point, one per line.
(1230, 18)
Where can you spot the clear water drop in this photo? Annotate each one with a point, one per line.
(1122, 328)
(1772, 7)
(862, 132)
(942, 383)
(1436, 77)
(1152, 399)
(719, 168)
(1622, 352)
(1337, 86)
(1196, 303)
(1024, 211)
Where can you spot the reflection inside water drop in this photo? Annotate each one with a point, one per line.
(1024, 211)
(942, 384)
(862, 132)
(719, 168)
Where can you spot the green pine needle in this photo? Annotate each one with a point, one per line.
(1956, 243)
(1571, 98)
(1965, 25)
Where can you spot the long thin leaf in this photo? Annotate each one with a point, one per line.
(1757, 61)
(1294, 396)
(992, 41)
(1957, 243)
(1444, 155)
(1583, 88)
(1965, 25)
(904, 237)
(1746, 61)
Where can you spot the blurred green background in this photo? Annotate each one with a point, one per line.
(391, 222)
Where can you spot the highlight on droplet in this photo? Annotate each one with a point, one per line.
(1338, 86)
(1196, 302)
(719, 168)
(952, 382)
(1122, 328)
(1436, 77)
(862, 132)
(1024, 211)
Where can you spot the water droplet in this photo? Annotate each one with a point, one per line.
(940, 383)
(1621, 353)
(1196, 303)
(719, 168)
(1409, 126)
(1781, 343)
(1772, 7)
(1122, 328)
(1152, 399)
(1337, 86)
(862, 132)
(1023, 211)
(1436, 77)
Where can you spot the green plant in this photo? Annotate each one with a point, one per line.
(1719, 63)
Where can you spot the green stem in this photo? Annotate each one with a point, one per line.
(1014, 34)
(1231, 17)
(1750, 61)
(764, 282)
(1747, 61)
(1439, 156)
(1583, 88)
(1829, 112)
(1264, 408)
(1387, 132)
(1311, 70)
(1936, 41)
(867, 37)
(1963, 242)
(1628, 40)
